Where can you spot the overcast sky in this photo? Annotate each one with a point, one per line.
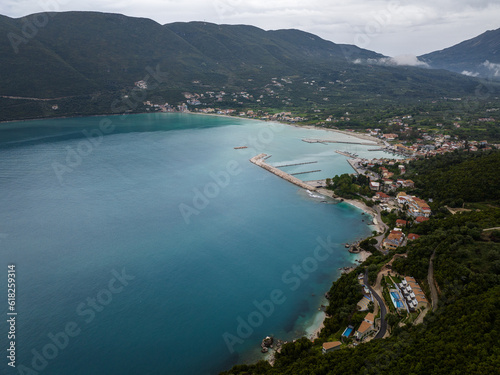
(392, 27)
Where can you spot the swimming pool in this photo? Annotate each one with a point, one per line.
(396, 301)
(347, 332)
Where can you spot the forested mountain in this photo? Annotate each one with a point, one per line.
(479, 56)
(88, 60)
(79, 52)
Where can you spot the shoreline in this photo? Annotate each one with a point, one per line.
(314, 327)
(311, 127)
(316, 323)
(358, 135)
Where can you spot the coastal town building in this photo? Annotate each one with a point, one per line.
(402, 197)
(421, 219)
(393, 240)
(401, 223)
(381, 196)
(375, 186)
(418, 207)
(408, 184)
(366, 326)
(411, 294)
(331, 346)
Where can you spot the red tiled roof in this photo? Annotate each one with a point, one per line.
(421, 219)
(370, 317)
(331, 345)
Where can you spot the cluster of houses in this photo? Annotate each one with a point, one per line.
(440, 144)
(430, 144)
(411, 294)
(389, 185)
(415, 207)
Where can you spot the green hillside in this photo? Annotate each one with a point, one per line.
(458, 177)
(83, 62)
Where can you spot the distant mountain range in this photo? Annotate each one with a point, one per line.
(83, 61)
(477, 57)
(80, 52)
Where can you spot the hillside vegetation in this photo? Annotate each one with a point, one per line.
(85, 62)
(461, 336)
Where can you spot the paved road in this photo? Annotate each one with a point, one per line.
(383, 310)
(431, 282)
(380, 237)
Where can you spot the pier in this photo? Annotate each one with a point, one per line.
(348, 154)
(352, 163)
(296, 173)
(332, 141)
(291, 165)
(259, 160)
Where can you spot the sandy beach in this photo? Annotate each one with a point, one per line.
(363, 255)
(365, 137)
(315, 328)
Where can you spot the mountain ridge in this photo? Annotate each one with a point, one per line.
(97, 58)
(478, 56)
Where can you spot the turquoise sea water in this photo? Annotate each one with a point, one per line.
(143, 250)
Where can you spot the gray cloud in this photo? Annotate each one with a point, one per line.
(401, 60)
(470, 74)
(494, 69)
(391, 27)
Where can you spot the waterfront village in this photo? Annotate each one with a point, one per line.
(395, 211)
(391, 293)
(423, 143)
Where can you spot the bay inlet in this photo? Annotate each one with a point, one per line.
(252, 239)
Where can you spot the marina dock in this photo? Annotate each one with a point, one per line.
(259, 160)
(332, 141)
(296, 173)
(291, 165)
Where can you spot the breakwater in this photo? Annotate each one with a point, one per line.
(333, 141)
(291, 165)
(259, 160)
(294, 174)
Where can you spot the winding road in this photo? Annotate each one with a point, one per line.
(383, 310)
(380, 237)
(431, 282)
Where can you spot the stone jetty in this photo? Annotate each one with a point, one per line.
(260, 161)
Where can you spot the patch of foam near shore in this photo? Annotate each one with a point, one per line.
(313, 330)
